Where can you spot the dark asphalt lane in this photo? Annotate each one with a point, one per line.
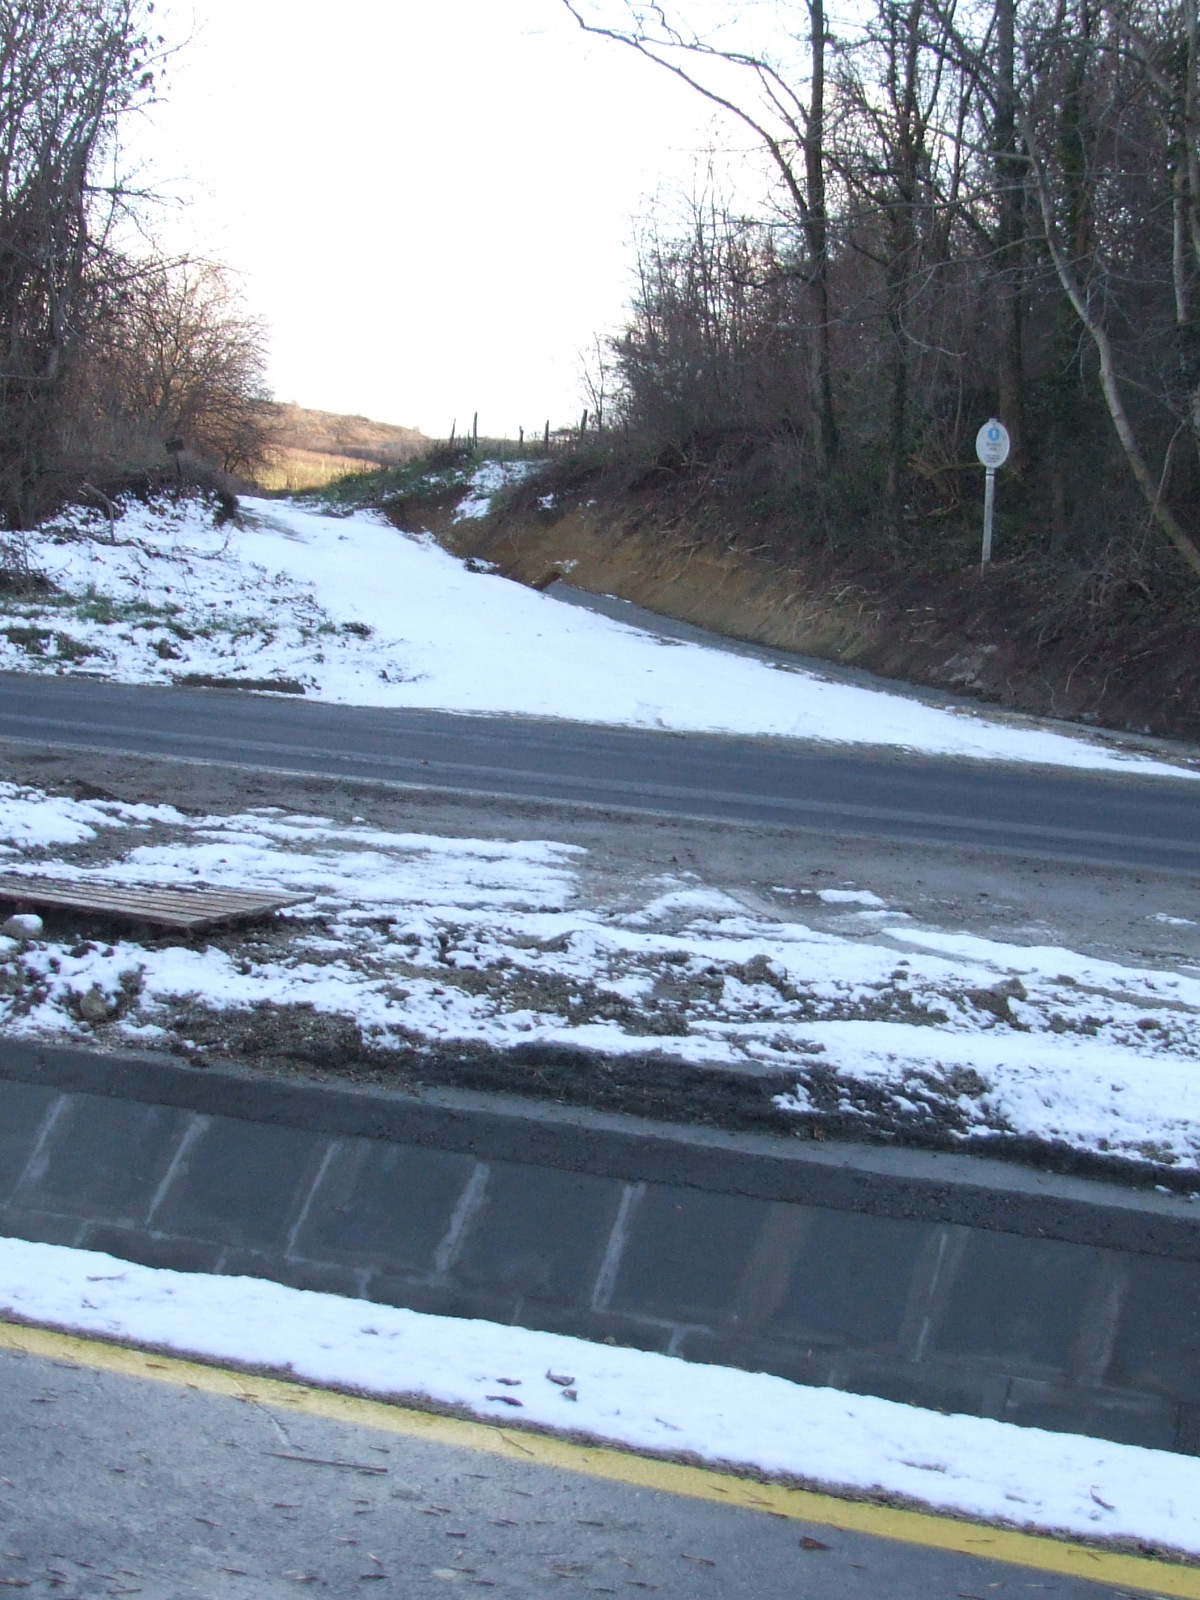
(1049, 813)
(113, 1485)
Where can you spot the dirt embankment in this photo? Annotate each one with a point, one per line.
(1116, 645)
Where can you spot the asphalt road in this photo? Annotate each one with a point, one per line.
(113, 1485)
(1048, 813)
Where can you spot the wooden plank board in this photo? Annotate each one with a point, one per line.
(190, 909)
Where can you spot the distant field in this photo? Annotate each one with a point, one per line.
(294, 469)
(311, 448)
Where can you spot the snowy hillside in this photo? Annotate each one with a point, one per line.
(347, 609)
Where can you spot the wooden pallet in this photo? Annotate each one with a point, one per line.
(191, 910)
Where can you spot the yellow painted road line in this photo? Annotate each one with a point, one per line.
(1040, 1552)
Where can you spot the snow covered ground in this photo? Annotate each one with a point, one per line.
(872, 1018)
(349, 610)
(419, 940)
(991, 1470)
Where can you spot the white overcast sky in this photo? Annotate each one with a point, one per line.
(430, 203)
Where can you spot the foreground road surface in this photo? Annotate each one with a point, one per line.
(1036, 811)
(114, 1485)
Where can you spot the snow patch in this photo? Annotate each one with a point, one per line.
(972, 1466)
(486, 482)
(417, 937)
(357, 613)
(852, 897)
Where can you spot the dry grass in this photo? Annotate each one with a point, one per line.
(295, 470)
(310, 449)
(333, 433)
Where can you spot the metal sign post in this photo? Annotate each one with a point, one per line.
(989, 513)
(992, 445)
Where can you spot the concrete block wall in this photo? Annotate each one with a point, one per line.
(1038, 1310)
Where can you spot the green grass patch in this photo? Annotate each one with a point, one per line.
(33, 640)
(47, 643)
(357, 630)
(67, 648)
(92, 606)
(24, 605)
(361, 489)
(442, 468)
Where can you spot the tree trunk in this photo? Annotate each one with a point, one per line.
(1073, 289)
(897, 444)
(1009, 176)
(816, 230)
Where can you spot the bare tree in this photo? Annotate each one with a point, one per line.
(1093, 90)
(1009, 169)
(69, 71)
(899, 179)
(787, 115)
(716, 352)
(597, 375)
(178, 357)
(1002, 200)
